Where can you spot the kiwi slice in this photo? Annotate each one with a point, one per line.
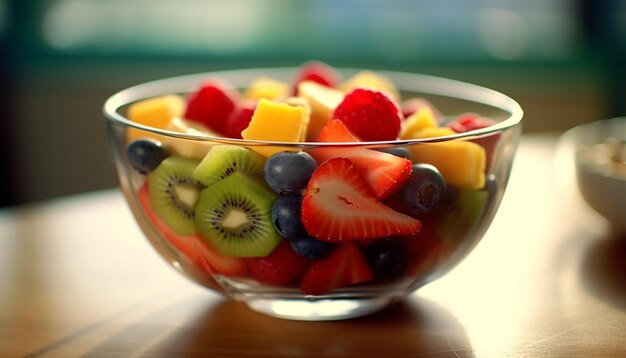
(174, 193)
(224, 160)
(234, 216)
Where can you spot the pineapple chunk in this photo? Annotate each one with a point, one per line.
(433, 132)
(424, 118)
(187, 148)
(323, 101)
(266, 87)
(275, 121)
(154, 112)
(371, 80)
(461, 163)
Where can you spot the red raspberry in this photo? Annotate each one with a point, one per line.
(211, 104)
(370, 115)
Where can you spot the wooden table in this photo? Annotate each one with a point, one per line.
(549, 280)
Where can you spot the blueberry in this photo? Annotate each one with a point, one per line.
(145, 155)
(286, 217)
(311, 247)
(397, 151)
(424, 191)
(387, 258)
(289, 172)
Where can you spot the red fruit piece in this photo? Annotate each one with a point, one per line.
(212, 104)
(343, 267)
(336, 131)
(239, 120)
(317, 72)
(370, 115)
(191, 246)
(384, 172)
(339, 205)
(469, 122)
(281, 267)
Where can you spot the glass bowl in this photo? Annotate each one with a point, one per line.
(360, 275)
(593, 155)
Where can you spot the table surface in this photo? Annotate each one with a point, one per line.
(77, 278)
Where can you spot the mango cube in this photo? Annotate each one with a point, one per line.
(322, 101)
(461, 163)
(433, 132)
(277, 122)
(154, 112)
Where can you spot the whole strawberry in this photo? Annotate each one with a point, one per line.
(370, 115)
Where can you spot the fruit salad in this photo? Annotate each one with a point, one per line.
(359, 204)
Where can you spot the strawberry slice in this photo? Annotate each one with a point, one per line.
(212, 104)
(336, 131)
(280, 268)
(344, 266)
(239, 120)
(384, 172)
(192, 247)
(371, 115)
(339, 205)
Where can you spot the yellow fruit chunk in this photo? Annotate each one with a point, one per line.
(276, 121)
(155, 112)
(323, 101)
(424, 118)
(187, 147)
(372, 80)
(266, 87)
(302, 102)
(433, 132)
(461, 163)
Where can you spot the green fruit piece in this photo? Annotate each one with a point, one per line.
(460, 218)
(234, 216)
(174, 193)
(224, 160)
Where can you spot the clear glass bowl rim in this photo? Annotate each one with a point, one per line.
(415, 82)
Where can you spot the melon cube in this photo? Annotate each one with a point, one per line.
(277, 122)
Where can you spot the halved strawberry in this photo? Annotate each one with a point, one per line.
(371, 115)
(343, 267)
(316, 71)
(384, 172)
(212, 104)
(282, 267)
(192, 247)
(339, 205)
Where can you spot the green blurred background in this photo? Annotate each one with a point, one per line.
(563, 60)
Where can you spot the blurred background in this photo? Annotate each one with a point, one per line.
(563, 60)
